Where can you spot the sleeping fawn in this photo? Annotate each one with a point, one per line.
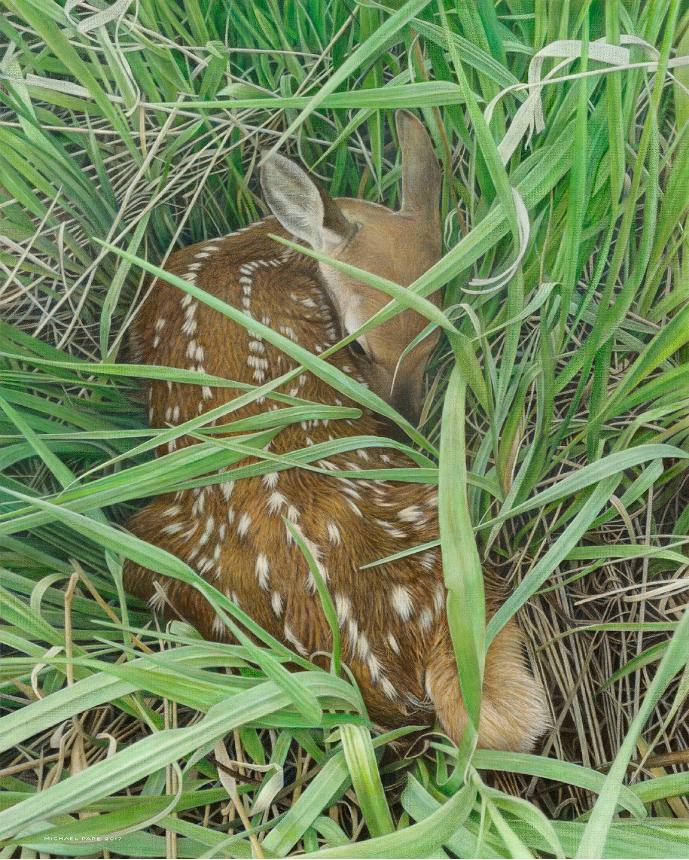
(392, 620)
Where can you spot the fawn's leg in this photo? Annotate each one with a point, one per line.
(513, 709)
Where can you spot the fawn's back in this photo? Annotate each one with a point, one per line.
(392, 619)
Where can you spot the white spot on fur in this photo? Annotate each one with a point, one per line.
(190, 532)
(402, 602)
(262, 571)
(391, 530)
(429, 560)
(362, 648)
(172, 528)
(257, 361)
(210, 523)
(439, 598)
(292, 639)
(315, 551)
(199, 504)
(276, 603)
(412, 514)
(333, 533)
(388, 688)
(243, 525)
(425, 619)
(189, 326)
(343, 607)
(354, 507)
(275, 501)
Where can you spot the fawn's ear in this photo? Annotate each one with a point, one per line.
(302, 208)
(420, 168)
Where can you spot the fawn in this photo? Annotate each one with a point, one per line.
(392, 617)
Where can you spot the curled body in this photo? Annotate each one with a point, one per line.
(391, 617)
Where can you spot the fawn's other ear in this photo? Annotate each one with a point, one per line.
(302, 208)
(420, 168)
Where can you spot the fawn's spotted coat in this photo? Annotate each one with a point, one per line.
(392, 617)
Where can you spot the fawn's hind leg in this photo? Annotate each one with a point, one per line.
(513, 708)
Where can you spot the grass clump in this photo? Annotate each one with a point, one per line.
(563, 131)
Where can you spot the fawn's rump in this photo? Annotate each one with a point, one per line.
(404, 688)
(392, 682)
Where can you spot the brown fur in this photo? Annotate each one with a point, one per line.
(398, 246)
(239, 542)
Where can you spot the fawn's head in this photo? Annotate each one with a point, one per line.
(399, 246)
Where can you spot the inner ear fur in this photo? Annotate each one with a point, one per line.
(300, 205)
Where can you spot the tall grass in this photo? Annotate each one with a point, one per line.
(555, 423)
